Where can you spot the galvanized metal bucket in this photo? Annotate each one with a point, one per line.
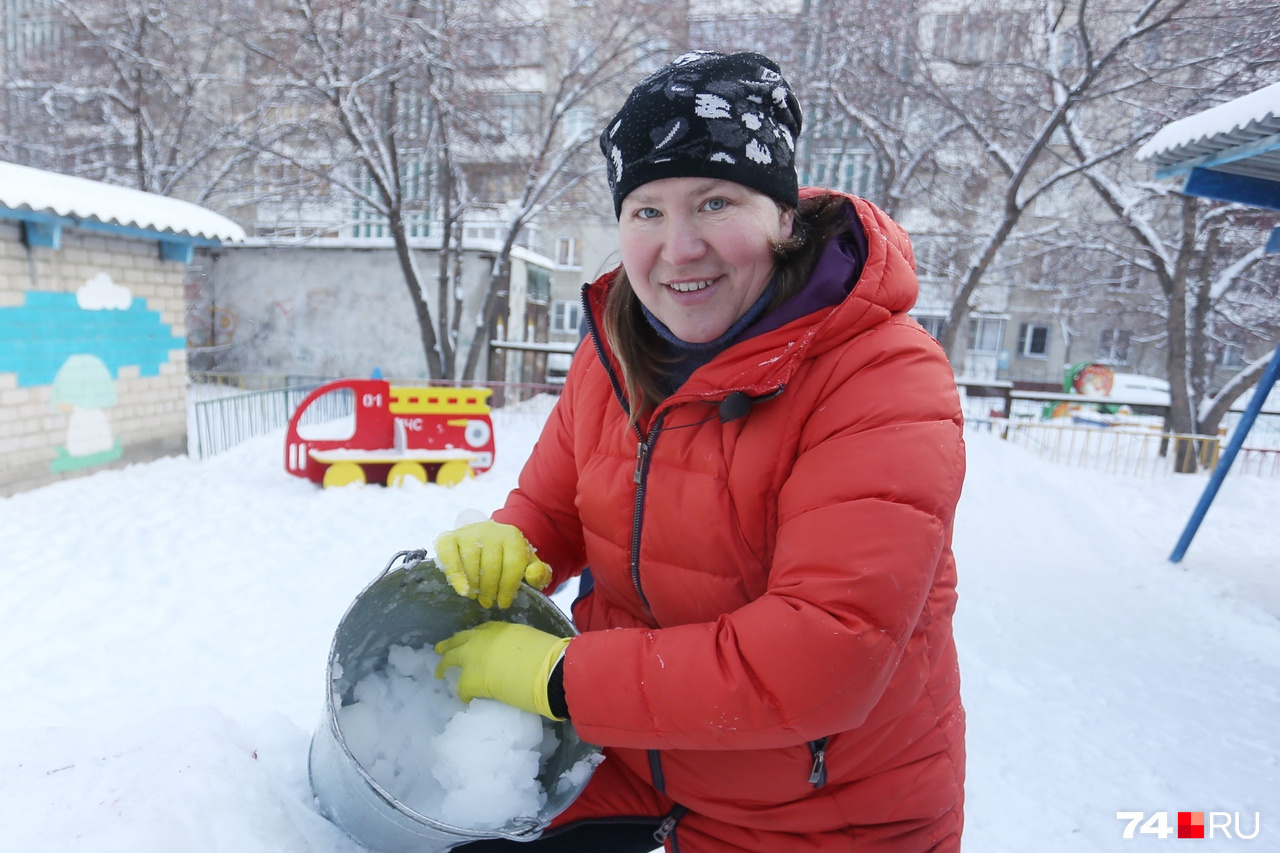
(411, 604)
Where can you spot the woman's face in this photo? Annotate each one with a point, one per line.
(699, 251)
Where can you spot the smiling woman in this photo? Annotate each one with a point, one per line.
(699, 253)
(753, 471)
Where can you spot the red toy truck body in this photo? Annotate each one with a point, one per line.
(385, 433)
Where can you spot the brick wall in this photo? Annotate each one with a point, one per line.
(92, 357)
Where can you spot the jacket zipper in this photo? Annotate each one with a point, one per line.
(668, 826)
(818, 773)
(640, 477)
(655, 771)
(643, 447)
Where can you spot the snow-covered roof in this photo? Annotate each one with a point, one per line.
(25, 189)
(1246, 130)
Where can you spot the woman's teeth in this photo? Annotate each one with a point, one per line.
(689, 286)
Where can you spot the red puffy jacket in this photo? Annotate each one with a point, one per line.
(779, 586)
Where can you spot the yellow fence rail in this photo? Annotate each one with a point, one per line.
(1135, 451)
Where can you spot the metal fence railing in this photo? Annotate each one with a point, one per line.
(1258, 462)
(222, 421)
(211, 384)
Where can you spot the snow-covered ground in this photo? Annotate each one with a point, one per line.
(164, 632)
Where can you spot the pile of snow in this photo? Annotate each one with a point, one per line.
(471, 766)
(165, 630)
(488, 759)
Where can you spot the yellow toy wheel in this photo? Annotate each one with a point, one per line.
(454, 472)
(402, 471)
(343, 474)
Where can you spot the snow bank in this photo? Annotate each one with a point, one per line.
(164, 633)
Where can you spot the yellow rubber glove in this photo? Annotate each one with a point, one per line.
(505, 661)
(487, 560)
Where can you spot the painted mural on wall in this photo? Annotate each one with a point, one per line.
(76, 343)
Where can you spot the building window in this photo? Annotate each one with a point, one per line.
(566, 314)
(972, 37)
(509, 116)
(539, 286)
(481, 233)
(567, 252)
(1124, 277)
(505, 47)
(1232, 355)
(839, 168)
(1033, 340)
(935, 257)
(933, 325)
(985, 334)
(1113, 346)
(579, 123)
(490, 183)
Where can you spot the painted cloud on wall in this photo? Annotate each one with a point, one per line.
(101, 293)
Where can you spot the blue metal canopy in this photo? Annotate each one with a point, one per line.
(1228, 153)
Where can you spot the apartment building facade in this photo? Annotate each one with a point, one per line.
(1048, 299)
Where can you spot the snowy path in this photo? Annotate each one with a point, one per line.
(1098, 676)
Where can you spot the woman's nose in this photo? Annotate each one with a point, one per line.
(682, 244)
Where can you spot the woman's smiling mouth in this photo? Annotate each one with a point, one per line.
(690, 286)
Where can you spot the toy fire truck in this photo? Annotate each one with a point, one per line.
(370, 431)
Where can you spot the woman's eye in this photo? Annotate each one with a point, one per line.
(714, 204)
(647, 213)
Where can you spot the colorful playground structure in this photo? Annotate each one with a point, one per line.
(370, 431)
(1098, 385)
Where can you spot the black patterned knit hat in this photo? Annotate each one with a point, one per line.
(712, 115)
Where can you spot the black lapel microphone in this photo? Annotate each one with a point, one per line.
(735, 406)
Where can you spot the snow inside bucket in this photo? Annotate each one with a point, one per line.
(386, 634)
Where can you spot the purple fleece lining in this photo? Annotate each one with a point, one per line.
(832, 280)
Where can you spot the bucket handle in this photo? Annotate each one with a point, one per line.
(410, 559)
(524, 829)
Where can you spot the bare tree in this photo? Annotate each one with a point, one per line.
(143, 93)
(1216, 286)
(1073, 62)
(596, 54)
(1214, 278)
(986, 119)
(404, 83)
(365, 64)
(857, 73)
